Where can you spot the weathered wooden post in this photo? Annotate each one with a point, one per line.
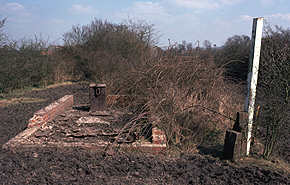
(234, 145)
(257, 31)
(97, 95)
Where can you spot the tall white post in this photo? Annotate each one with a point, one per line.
(257, 31)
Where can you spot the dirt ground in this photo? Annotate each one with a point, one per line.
(79, 166)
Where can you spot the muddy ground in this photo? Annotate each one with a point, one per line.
(78, 166)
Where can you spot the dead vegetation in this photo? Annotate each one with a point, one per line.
(188, 92)
(179, 96)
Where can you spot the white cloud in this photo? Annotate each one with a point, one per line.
(279, 16)
(82, 9)
(14, 7)
(246, 17)
(285, 17)
(230, 2)
(173, 21)
(273, 3)
(149, 11)
(204, 4)
(198, 4)
(15, 12)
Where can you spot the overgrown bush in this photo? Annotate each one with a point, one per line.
(102, 50)
(234, 56)
(273, 82)
(173, 91)
(183, 95)
(178, 96)
(22, 64)
(274, 89)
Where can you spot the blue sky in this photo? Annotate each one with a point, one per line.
(177, 20)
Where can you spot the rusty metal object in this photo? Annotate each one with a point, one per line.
(97, 96)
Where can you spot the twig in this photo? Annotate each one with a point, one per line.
(211, 110)
(123, 130)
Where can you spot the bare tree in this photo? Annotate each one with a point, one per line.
(3, 38)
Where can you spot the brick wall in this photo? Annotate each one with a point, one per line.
(158, 136)
(48, 113)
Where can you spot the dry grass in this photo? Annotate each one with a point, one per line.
(53, 85)
(13, 101)
(20, 92)
(275, 165)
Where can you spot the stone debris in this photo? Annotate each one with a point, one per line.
(91, 120)
(63, 125)
(100, 113)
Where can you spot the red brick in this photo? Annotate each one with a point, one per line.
(48, 113)
(158, 136)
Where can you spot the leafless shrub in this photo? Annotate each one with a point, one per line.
(102, 50)
(22, 65)
(169, 90)
(174, 93)
(274, 87)
(234, 56)
(3, 36)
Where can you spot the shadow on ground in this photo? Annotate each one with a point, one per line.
(215, 151)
